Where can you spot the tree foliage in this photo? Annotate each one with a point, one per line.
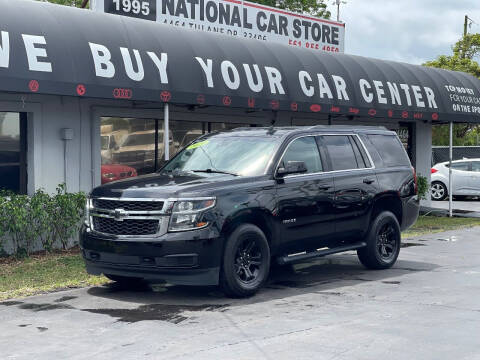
(313, 7)
(75, 3)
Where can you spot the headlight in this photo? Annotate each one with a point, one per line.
(88, 206)
(186, 214)
(109, 175)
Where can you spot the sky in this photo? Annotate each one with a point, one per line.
(412, 31)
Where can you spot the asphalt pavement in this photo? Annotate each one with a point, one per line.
(426, 307)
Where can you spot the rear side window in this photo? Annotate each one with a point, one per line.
(341, 151)
(390, 150)
(464, 166)
(476, 166)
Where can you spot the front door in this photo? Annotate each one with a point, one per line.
(305, 201)
(355, 184)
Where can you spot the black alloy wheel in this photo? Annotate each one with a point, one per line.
(387, 242)
(246, 261)
(383, 242)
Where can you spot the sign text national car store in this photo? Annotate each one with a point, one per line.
(235, 18)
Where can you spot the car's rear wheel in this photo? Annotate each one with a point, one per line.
(246, 261)
(383, 242)
(438, 191)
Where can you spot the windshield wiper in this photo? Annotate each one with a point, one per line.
(211, 171)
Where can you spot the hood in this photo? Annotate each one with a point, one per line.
(165, 186)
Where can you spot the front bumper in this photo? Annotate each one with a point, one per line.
(183, 258)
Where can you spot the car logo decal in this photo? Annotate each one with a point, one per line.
(119, 214)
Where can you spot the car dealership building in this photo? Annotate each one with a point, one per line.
(86, 98)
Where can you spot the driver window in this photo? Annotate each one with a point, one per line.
(304, 149)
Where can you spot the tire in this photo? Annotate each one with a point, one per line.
(438, 191)
(383, 242)
(246, 262)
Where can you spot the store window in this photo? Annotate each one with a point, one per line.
(183, 133)
(13, 176)
(129, 147)
(226, 126)
(135, 146)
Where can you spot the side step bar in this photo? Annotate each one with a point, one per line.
(283, 260)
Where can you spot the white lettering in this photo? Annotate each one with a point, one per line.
(5, 50)
(207, 69)
(406, 89)
(430, 97)
(275, 80)
(33, 53)
(161, 65)
(364, 85)
(341, 87)
(248, 72)
(417, 93)
(394, 93)
(302, 76)
(324, 88)
(101, 58)
(380, 92)
(234, 83)
(127, 60)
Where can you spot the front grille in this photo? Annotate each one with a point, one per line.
(128, 205)
(125, 227)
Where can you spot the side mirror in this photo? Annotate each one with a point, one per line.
(292, 167)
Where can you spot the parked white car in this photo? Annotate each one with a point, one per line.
(465, 179)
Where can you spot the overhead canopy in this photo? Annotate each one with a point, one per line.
(51, 49)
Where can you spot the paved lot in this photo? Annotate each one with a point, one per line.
(462, 207)
(427, 307)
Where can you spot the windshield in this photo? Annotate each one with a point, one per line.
(247, 156)
(104, 142)
(140, 139)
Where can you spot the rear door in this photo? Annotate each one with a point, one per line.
(475, 177)
(355, 184)
(305, 201)
(461, 178)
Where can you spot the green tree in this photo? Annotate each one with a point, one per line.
(313, 7)
(76, 3)
(462, 59)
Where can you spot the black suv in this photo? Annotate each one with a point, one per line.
(230, 204)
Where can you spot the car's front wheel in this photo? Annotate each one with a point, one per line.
(383, 242)
(246, 261)
(438, 191)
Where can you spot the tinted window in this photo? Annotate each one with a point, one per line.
(242, 155)
(464, 166)
(304, 149)
(476, 166)
(341, 152)
(390, 149)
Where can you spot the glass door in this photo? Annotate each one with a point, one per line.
(13, 175)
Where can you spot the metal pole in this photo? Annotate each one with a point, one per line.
(450, 187)
(166, 132)
(338, 10)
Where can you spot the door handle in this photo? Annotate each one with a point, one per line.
(324, 187)
(368, 181)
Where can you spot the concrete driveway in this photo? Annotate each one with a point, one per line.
(426, 307)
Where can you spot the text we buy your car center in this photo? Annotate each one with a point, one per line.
(82, 92)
